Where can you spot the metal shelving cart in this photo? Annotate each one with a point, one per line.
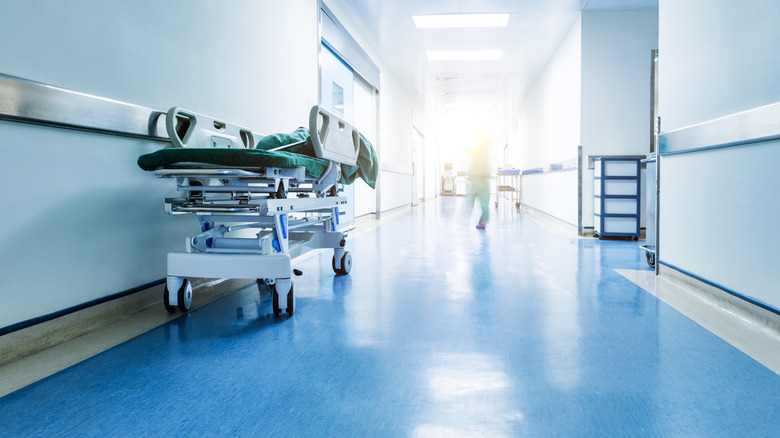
(508, 186)
(616, 193)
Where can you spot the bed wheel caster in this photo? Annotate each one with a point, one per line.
(183, 297)
(344, 264)
(168, 307)
(650, 259)
(290, 300)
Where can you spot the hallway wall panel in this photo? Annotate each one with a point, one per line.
(88, 223)
(718, 210)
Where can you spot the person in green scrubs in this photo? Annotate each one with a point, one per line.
(479, 176)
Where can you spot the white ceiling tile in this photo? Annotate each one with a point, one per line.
(535, 30)
(427, 7)
(487, 6)
(363, 8)
(616, 5)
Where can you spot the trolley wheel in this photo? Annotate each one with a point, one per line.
(650, 259)
(185, 295)
(346, 264)
(275, 300)
(167, 305)
(290, 300)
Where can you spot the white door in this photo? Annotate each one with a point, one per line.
(337, 96)
(418, 166)
(365, 122)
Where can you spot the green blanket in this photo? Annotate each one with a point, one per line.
(301, 155)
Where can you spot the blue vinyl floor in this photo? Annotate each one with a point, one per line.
(439, 330)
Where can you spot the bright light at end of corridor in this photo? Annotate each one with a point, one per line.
(461, 127)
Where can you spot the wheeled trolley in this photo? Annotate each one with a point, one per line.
(507, 186)
(256, 209)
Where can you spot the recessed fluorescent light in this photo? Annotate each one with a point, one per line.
(468, 105)
(460, 20)
(464, 55)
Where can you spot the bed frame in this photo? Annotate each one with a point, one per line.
(254, 221)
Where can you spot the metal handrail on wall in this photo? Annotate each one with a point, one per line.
(747, 127)
(27, 101)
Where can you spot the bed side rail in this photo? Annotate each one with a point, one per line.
(333, 139)
(188, 129)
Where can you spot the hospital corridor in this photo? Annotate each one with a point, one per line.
(412, 218)
(454, 339)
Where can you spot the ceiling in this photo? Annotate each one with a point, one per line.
(536, 28)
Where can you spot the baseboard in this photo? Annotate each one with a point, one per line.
(559, 226)
(42, 336)
(742, 308)
(39, 337)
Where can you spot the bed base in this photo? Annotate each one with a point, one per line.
(254, 221)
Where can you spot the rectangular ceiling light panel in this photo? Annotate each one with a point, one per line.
(465, 105)
(460, 20)
(464, 55)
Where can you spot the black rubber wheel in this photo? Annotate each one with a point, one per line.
(185, 296)
(275, 301)
(290, 301)
(168, 307)
(650, 259)
(346, 264)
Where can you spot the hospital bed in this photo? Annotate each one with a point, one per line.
(258, 207)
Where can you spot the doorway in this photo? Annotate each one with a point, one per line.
(418, 166)
(337, 96)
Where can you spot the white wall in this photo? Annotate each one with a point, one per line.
(718, 58)
(549, 127)
(432, 172)
(596, 93)
(394, 146)
(395, 131)
(616, 63)
(548, 131)
(554, 193)
(87, 222)
(718, 208)
(719, 218)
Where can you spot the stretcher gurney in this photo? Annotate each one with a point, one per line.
(285, 199)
